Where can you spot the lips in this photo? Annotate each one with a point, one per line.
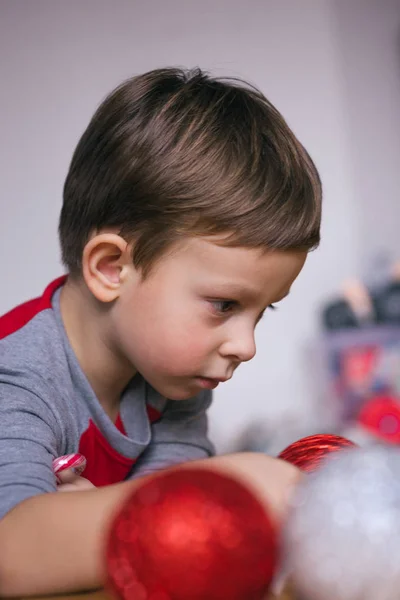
(211, 382)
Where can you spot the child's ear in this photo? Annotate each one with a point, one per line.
(105, 262)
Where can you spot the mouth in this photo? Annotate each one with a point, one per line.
(210, 383)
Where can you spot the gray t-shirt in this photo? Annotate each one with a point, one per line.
(48, 409)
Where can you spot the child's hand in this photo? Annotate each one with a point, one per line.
(68, 470)
(69, 481)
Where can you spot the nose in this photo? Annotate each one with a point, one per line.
(239, 345)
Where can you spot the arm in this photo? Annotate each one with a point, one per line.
(54, 543)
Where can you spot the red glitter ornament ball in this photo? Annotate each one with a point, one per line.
(191, 534)
(308, 453)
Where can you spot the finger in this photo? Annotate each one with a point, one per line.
(67, 476)
(76, 485)
(67, 487)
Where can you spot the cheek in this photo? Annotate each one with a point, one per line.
(165, 336)
(178, 346)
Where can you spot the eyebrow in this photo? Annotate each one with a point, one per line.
(233, 289)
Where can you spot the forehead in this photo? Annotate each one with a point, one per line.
(252, 269)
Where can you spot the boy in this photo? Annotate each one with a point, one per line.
(188, 210)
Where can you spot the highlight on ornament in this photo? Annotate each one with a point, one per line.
(341, 539)
(309, 453)
(75, 462)
(191, 533)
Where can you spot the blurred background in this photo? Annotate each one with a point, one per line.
(332, 67)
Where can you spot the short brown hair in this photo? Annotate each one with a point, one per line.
(175, 153)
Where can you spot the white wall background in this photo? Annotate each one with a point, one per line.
(331, 66)
(368, 43)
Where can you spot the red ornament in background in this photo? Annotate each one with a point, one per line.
(381, 418)
(308, 453)
(191, 534)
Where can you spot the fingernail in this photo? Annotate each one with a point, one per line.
(79, 470)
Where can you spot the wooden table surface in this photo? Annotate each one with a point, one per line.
(102, 595)
(99, 595)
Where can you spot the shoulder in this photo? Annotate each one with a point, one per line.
(15, 320)
(30, 345)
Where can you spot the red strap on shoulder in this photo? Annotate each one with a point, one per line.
(19, 316)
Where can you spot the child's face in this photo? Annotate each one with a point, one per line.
(191, 323)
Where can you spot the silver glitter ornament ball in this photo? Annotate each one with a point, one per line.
(342, 537)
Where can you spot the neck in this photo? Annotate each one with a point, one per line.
(87, 324)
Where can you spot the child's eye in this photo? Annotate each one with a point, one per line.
(223, 306)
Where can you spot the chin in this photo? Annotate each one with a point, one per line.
(180, 395)
(175, 393)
